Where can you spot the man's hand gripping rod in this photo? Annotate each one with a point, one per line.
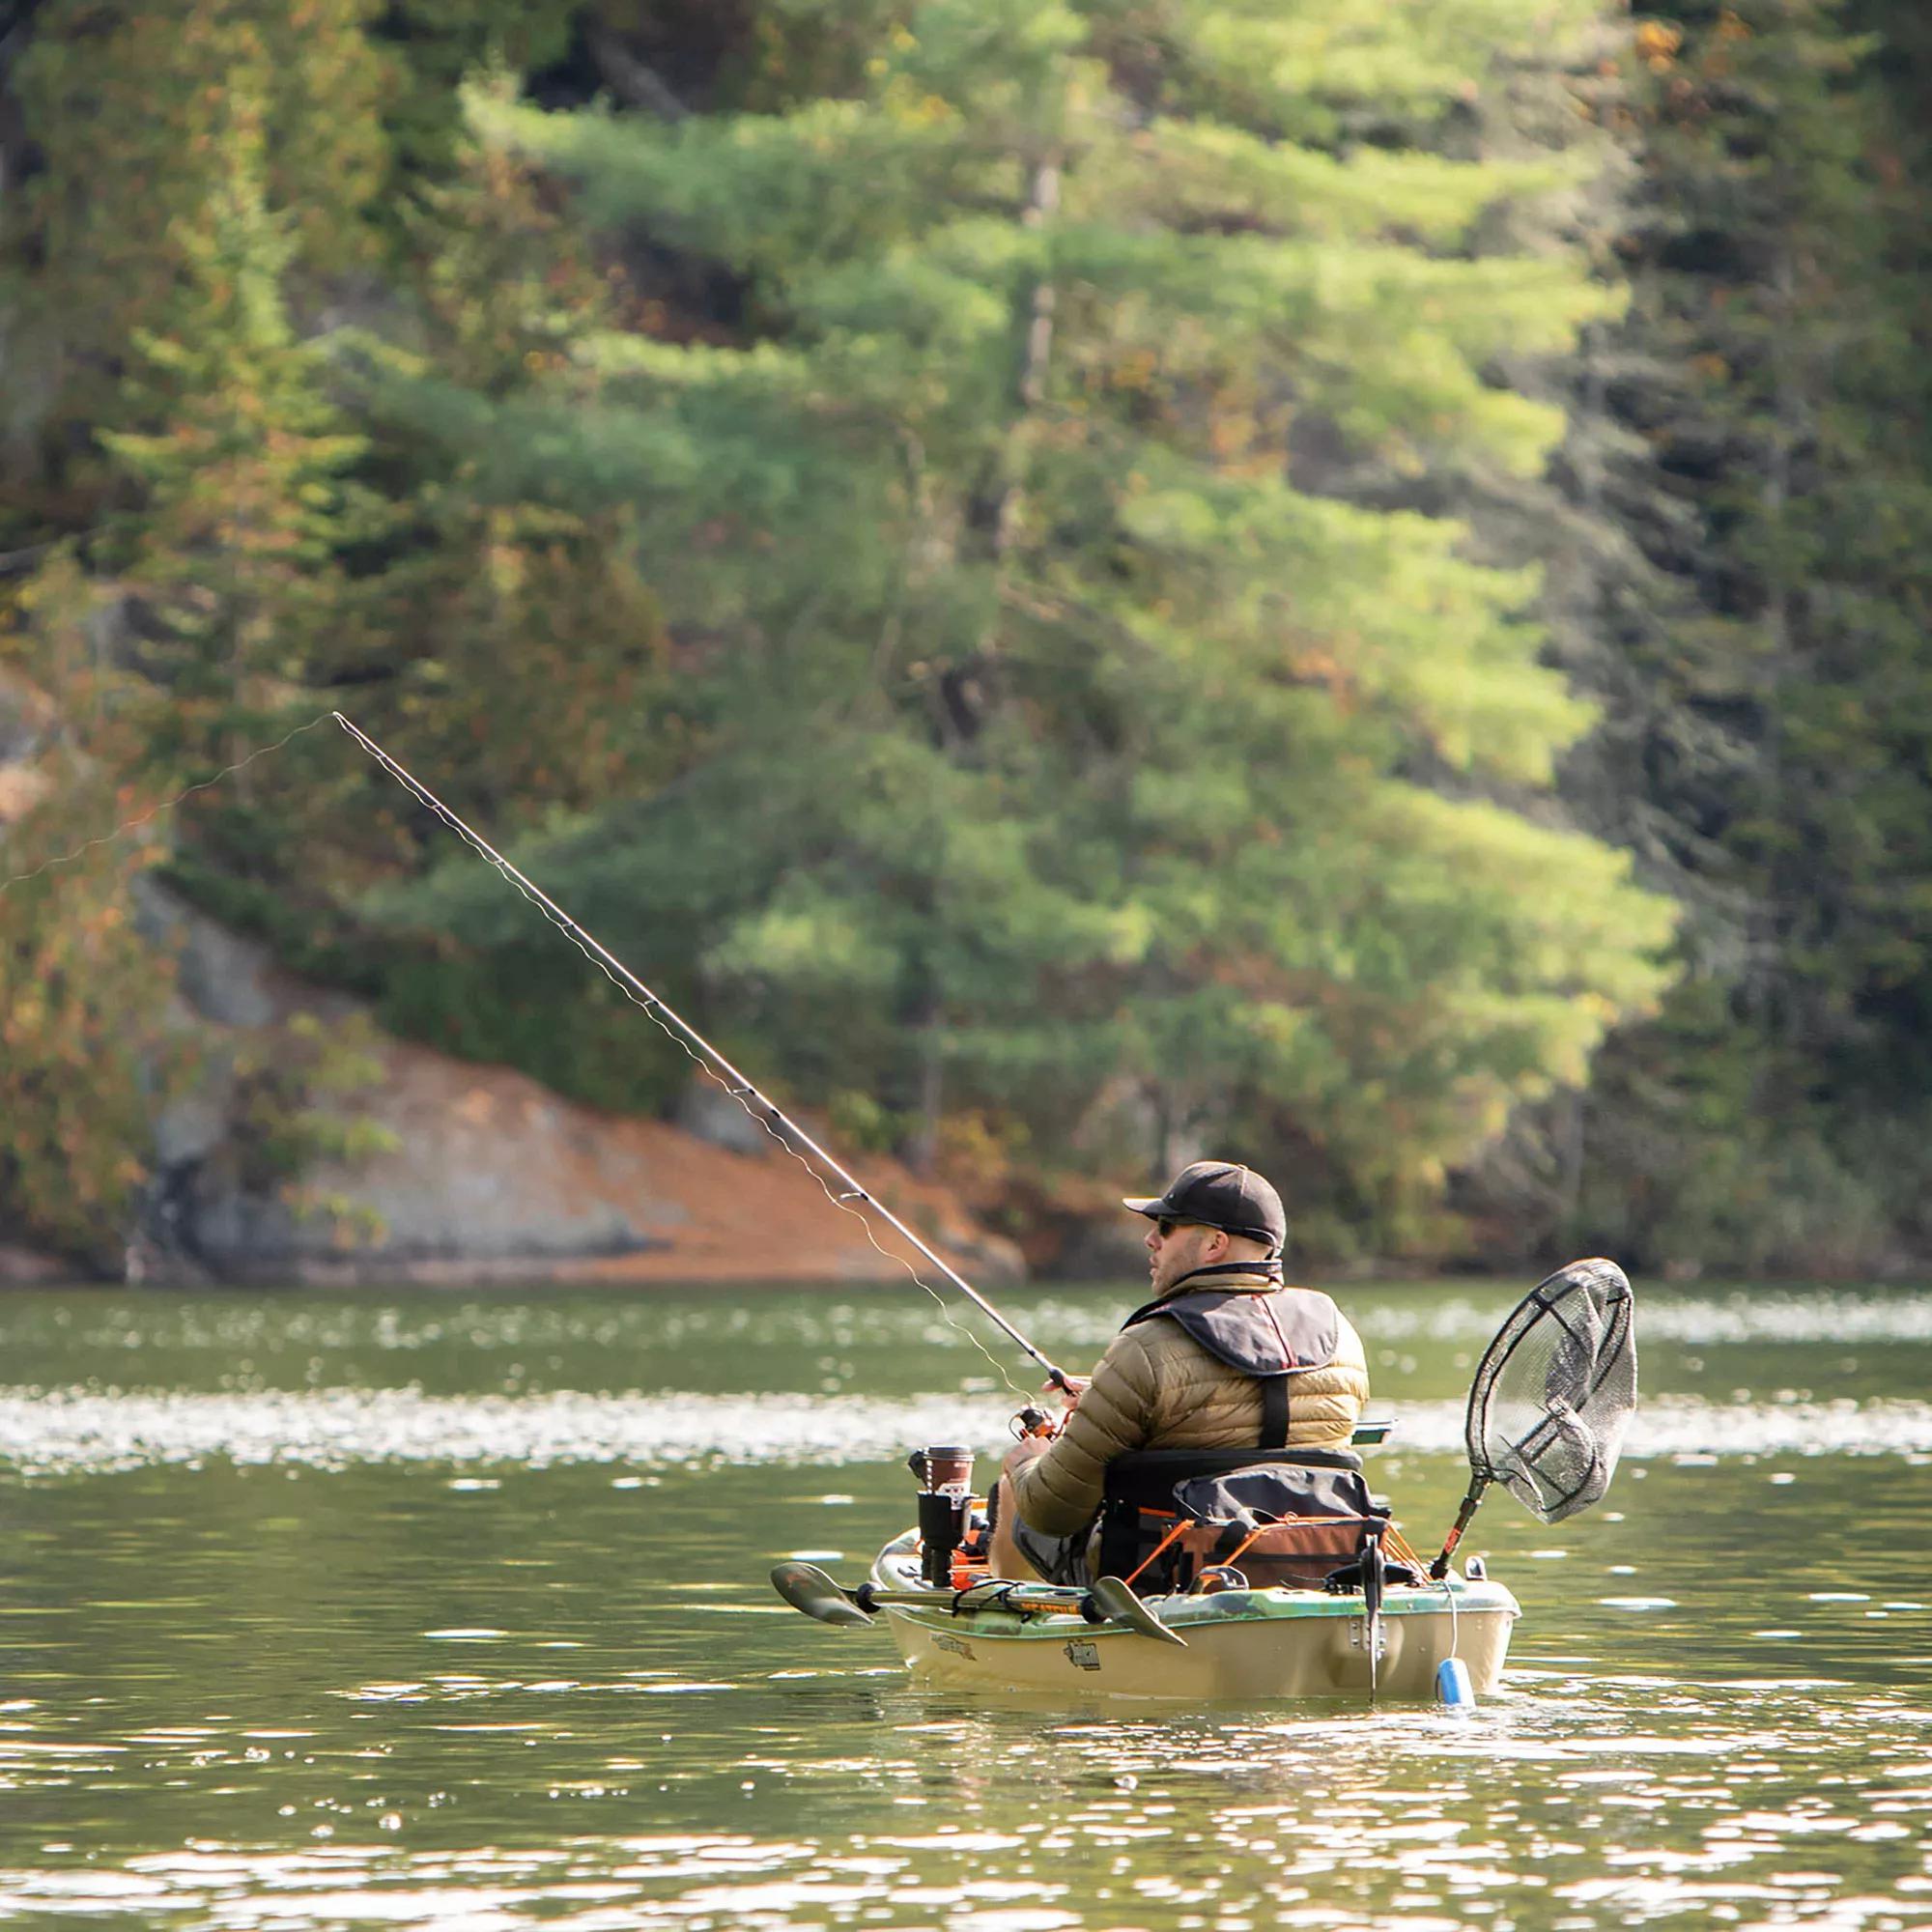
(756, 1103)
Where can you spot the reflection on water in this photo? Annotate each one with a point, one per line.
(78, 1431)
(452, 1612)
(596, 1341)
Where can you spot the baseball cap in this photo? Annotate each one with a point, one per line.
(1220, 1194)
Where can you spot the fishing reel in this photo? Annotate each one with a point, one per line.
(1033, 1422)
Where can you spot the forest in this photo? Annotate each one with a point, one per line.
(1079, 582)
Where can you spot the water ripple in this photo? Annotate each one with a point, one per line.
(1089, 1318)
(1561, 1810)
(78, 1431)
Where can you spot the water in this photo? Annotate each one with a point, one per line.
(442, 1610)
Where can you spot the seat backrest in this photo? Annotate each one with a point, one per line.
(1269, 1492)
(1149, 1475)
(1282, 1520)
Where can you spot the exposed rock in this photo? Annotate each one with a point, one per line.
(706, 1110)
(193, 1127)
(222, 978)
(26, 719)
(21, 788)
(162, 1251)
(491, 1174)
(28, 1267)
(490, 1168)
(495, 1178)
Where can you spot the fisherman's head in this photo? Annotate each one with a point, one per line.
(1212, 1213)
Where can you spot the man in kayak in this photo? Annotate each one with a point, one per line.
(1222, 1358)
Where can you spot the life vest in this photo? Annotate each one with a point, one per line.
(1272, 1337)
(1292, 1518)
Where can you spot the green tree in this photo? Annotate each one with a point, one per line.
(211, 602)
(226, 560)
(1047, 722)
(123, 116)
(89, 1051)
(493, 608)
(1767, 688)
(516, 649)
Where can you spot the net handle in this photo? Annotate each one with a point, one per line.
(1439, 1569)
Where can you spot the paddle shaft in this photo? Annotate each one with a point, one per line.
(954, 1601)
(757, 1104)
(1017, 1601)
(1108, 1601)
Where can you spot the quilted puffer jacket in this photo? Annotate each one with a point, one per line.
(1158, 1388)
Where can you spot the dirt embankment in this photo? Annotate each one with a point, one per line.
(496, 1176)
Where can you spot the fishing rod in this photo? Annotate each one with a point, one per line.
(759, 1105)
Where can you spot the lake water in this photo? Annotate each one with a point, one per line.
(431, 1608)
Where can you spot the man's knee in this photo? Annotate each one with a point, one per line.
(1007, 1560)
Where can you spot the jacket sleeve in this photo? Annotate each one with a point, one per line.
(1326, 1404)
(1061, 1491)
(1352, 1369)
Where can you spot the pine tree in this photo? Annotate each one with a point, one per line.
(1044, 729)
(1771, 705)
(122, 112)
(492, 607)
(514, 646)
(227, 563)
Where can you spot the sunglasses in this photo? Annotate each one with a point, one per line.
(1165, 1224)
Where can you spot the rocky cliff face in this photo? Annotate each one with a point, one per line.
(495, 1177)
(491, 1175)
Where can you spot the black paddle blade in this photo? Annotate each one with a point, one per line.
(1119, 1606)
(807, 1587)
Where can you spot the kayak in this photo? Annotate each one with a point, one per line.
(1374, 1626)
(1235, 1643)
(1276, 1575)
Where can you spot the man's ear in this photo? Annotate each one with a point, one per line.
(1215, 1247)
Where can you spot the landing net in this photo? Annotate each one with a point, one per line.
(1552, 1396)
(1556, 1391)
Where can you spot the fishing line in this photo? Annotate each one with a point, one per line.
(789, 1135)
(166, 805)
(709, 1061)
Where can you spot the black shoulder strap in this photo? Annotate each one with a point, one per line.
(1274, 1412)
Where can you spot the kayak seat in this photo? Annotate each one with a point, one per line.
(1287, 1519)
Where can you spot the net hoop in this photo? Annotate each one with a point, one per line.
(1607, 1342)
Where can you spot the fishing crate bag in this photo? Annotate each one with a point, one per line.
(1286, 1520)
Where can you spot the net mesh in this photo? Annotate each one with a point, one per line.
(1556, 1390)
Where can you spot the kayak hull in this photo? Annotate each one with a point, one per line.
(1241, 1644)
